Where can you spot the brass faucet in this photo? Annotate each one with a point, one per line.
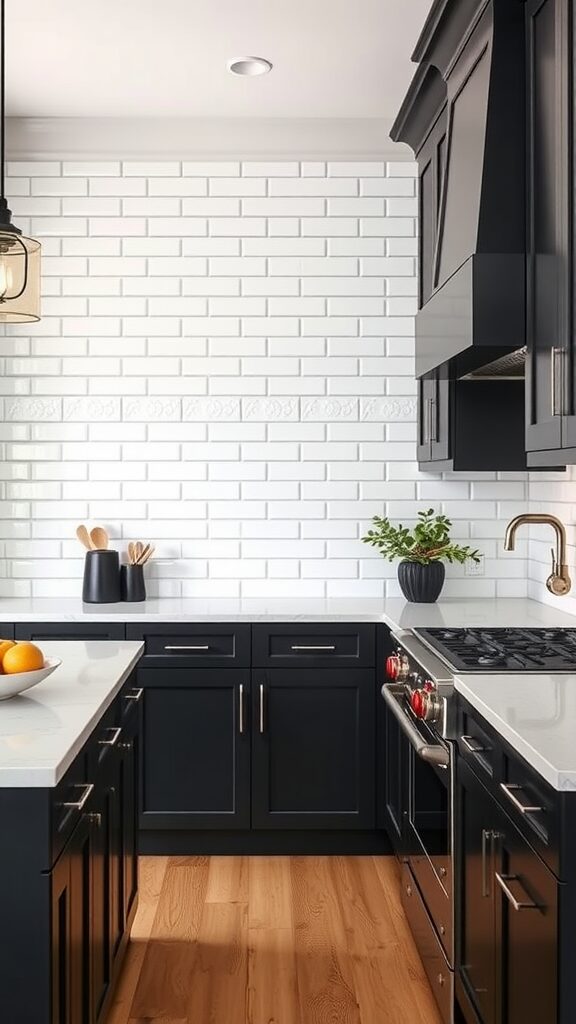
(559, 581)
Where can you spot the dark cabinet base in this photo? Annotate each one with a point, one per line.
(155, 842)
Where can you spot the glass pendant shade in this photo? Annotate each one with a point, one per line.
(19, 278)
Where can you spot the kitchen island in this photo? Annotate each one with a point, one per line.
(68, 814)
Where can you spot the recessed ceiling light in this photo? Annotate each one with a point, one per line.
(249, 66)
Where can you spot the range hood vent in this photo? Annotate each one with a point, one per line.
(464, 118)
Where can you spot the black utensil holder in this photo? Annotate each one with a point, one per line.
(132, 586)
(101, 577)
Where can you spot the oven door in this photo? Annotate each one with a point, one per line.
(430, 790)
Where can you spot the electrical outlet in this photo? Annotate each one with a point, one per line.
(475, 568)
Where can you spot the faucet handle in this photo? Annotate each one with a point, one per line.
(559, 581)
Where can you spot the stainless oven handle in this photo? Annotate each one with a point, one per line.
(436, 754)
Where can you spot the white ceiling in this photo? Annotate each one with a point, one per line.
(167, 58)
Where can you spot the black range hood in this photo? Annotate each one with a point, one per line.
(463, 117)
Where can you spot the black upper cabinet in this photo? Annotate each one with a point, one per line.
(313, 748)
(550, 383)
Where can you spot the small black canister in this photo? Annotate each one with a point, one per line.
(101, 577)
(132, 585)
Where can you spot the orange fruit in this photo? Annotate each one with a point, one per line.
(4, 646)
(22, 657)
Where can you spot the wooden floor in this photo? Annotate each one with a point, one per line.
(271, 940)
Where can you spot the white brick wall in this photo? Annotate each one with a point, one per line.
(555, 494)
(224, 366)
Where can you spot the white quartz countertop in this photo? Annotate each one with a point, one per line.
(397, 613)
(536, 714)
(43, 730)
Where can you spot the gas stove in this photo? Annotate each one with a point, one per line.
(503, 650)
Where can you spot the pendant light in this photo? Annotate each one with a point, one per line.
(19, 256)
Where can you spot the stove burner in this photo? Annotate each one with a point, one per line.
(504, 649)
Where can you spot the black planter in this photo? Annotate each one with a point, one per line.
(421, 583)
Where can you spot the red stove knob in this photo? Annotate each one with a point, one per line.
(417, 703)
(429, 686)
(392, 667)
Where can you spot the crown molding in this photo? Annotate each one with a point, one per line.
(70, 138)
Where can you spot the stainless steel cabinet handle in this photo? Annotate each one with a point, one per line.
(186, 647)
(313, 647)
(509, 788)
(241, 709)
(135, 695)
(517, 904)
(261, 707)
(79, 804)
(432, 431)
(113, 739)
(468, 741)
(554, 363)
(486, 836)
(95, 819)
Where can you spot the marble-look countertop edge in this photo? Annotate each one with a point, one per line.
(561, 779)
(48, 777)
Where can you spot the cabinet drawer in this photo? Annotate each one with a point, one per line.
(314, 644)
(530, 802)
(69, 631)
(439, 974)
(68, 801)
(475, 745)
(193, 645)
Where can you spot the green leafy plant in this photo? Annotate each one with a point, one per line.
(428, 541)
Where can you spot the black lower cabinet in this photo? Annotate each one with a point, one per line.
(508, 918)
(196, 749)
(313, 736)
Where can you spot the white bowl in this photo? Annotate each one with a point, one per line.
(16, 682)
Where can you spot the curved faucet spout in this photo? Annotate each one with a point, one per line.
(558, 582)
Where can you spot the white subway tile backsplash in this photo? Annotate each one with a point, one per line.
(225, 364)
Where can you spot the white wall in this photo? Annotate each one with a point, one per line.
(554, 493)
(225, 366)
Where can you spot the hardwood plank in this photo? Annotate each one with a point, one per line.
(272, 977)
(270, 903)
(219, 986)
(325, 980)
(227, 880)
(151, 873)
(389, 979)
(165, 981)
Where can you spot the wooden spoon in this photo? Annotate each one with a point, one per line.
(138, 548)
(151, 550)
(84, 537)
(132, 553)
(99, 538)
(144, 555)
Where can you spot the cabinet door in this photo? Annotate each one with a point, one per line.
(313, 763)
(61, 942)
(526, 895)
(476, 926)
(128, 789)
(431, 165)
(548, 216)
(195, 758)
(434, 411)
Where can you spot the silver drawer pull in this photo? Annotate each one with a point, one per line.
(313, 647)
(241, 708)
(186, 647)
(135, 695)
(468, 741)
(113, 739)
(517, 904)
(509, 788)
(79, 804)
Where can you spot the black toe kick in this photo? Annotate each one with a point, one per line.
(253, 843)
